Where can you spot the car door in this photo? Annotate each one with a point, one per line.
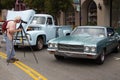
(112, 42)
(50, 29)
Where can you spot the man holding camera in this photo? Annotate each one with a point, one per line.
(11, 29)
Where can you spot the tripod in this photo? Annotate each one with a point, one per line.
(23, 31)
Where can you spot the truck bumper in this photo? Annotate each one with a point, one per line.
(24, 43)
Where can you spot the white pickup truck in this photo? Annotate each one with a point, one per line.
(40, 28)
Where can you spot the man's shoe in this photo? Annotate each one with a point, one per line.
(10, 61)
(15, 59)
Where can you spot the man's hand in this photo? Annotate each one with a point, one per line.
(19, 30)
(14, 31)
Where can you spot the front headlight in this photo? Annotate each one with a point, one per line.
(89, 49)
(93, 49)
(86, 49)
(52, 45)
(49, 45)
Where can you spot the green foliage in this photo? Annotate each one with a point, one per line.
(49, 6)
(37, 5)
(7, 4)
(46, 6)
(53, 7)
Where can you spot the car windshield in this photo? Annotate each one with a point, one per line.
(100, 32)
(38, 20)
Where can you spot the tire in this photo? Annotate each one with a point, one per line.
(100, 60)
(117, 49)
(59, 57)
(39, 43)
(16, 46)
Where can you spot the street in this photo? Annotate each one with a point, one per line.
(67, 69)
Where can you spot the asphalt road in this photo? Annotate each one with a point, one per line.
(67, 69)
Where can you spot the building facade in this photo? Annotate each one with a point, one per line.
(93, 12)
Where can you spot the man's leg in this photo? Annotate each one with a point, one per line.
(9, 50)
(13, 53)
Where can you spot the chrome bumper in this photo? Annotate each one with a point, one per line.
(73, 54)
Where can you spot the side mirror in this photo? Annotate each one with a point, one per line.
(110, 34)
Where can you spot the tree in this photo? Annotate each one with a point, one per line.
(7, 4)
(53, 7)
(37, 5)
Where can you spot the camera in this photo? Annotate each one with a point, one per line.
(23, 22)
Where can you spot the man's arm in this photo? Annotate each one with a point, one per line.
(12, 28)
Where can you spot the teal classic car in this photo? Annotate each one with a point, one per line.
(91, 42)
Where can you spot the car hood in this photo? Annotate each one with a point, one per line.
(78, 40)
(25, 15)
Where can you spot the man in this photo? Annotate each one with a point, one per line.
(11, 29)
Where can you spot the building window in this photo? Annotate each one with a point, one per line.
(92, 13)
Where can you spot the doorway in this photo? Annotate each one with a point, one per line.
(92, 13)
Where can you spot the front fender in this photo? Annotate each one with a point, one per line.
(34, 35)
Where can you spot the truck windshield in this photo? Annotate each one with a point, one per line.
(38, 20)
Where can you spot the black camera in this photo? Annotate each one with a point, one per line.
(23, 22)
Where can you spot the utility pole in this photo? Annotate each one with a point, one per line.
(77, 4)
(110, 13)
(80, 11)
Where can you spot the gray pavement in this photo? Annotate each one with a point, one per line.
(5, 74)
(11, 72)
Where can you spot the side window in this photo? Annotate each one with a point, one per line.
(49, 21)
(110, 32)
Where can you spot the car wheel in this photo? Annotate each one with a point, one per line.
(59, 57)
(117, 49)
(40, 43)
(101, 58)
(16, 46)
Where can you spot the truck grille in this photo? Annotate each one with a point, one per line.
(75, 48)
(19, 38)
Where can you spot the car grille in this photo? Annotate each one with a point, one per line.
(75, 48)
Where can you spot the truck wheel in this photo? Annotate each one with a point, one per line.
(39, 44)
(59, 57)
(15, 46)
(100, 60)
